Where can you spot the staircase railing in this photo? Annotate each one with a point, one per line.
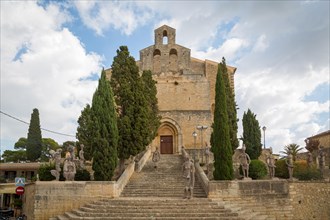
(140, 164)
(202, 177)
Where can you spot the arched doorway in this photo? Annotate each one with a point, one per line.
(169, 137)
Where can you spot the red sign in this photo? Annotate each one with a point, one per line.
(20, 190)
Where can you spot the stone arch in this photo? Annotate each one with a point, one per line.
(173, 60)
(165, 37)
(156, 61)
(170, 127)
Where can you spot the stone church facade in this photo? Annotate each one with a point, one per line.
(185, 91)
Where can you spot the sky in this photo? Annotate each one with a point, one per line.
(52, 54)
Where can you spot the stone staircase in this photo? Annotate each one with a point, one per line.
(157, 193)
(164, 181)
(152, 208)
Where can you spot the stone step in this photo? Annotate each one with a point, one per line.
(155, 213)
(115, 210)
(158, 201)
(75, 217)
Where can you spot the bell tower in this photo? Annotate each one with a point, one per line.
(164, 35)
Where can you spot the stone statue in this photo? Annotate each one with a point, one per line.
(271, 164)
(207, 154)
(245, 161)
(81, 157)
(309, 160)
(189, 175)
(321, 159)
(70, 152)
(57, 158)
(156, 157)
(69, 169)
(289, 163)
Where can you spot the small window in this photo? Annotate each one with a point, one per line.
(165, 38)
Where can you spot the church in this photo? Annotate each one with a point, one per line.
(185, 92)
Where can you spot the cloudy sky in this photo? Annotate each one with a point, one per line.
(52, 54)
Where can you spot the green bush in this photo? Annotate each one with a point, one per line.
(281, 169)
(257, 169)
(308, 174)
(300, 170)
(45, 175)
(82, 175)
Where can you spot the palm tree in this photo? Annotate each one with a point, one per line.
(292, 149)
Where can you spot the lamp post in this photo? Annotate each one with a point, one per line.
(201, 128)
(194, 134)
(264, 129)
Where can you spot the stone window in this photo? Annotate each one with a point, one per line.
(165, 37)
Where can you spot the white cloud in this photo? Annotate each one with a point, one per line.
(45, 75)
(261, 44)
(102, 15)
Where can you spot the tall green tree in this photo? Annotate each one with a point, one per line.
(21, 143)
(131, 105)
(47, 145)
(292, 149)
(231, 107)
(85, 131)
(14, 155)
(105, 140)
(34, 139)
(220, 137)
(251, 135)
(150, 92)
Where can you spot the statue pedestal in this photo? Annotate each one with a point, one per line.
(247, 178)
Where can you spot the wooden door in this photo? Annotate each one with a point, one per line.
(166, 144)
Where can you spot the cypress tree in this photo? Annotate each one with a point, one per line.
(231, 108)
(85, 131)
(34, 139)
(251, 135)
(131, 105)
(105, 131)
(150, 92)
(220, 139)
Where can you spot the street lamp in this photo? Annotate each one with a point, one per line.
(264, 129)
(194, 134)
(201, 128)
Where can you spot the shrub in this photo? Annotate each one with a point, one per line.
(301, 171)
(281, 170)
(45, 175)
(82, 175)
(308, 174)
(257, 169)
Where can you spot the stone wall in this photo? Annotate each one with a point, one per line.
(310, 200)
(279, 198)
(43, 200)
